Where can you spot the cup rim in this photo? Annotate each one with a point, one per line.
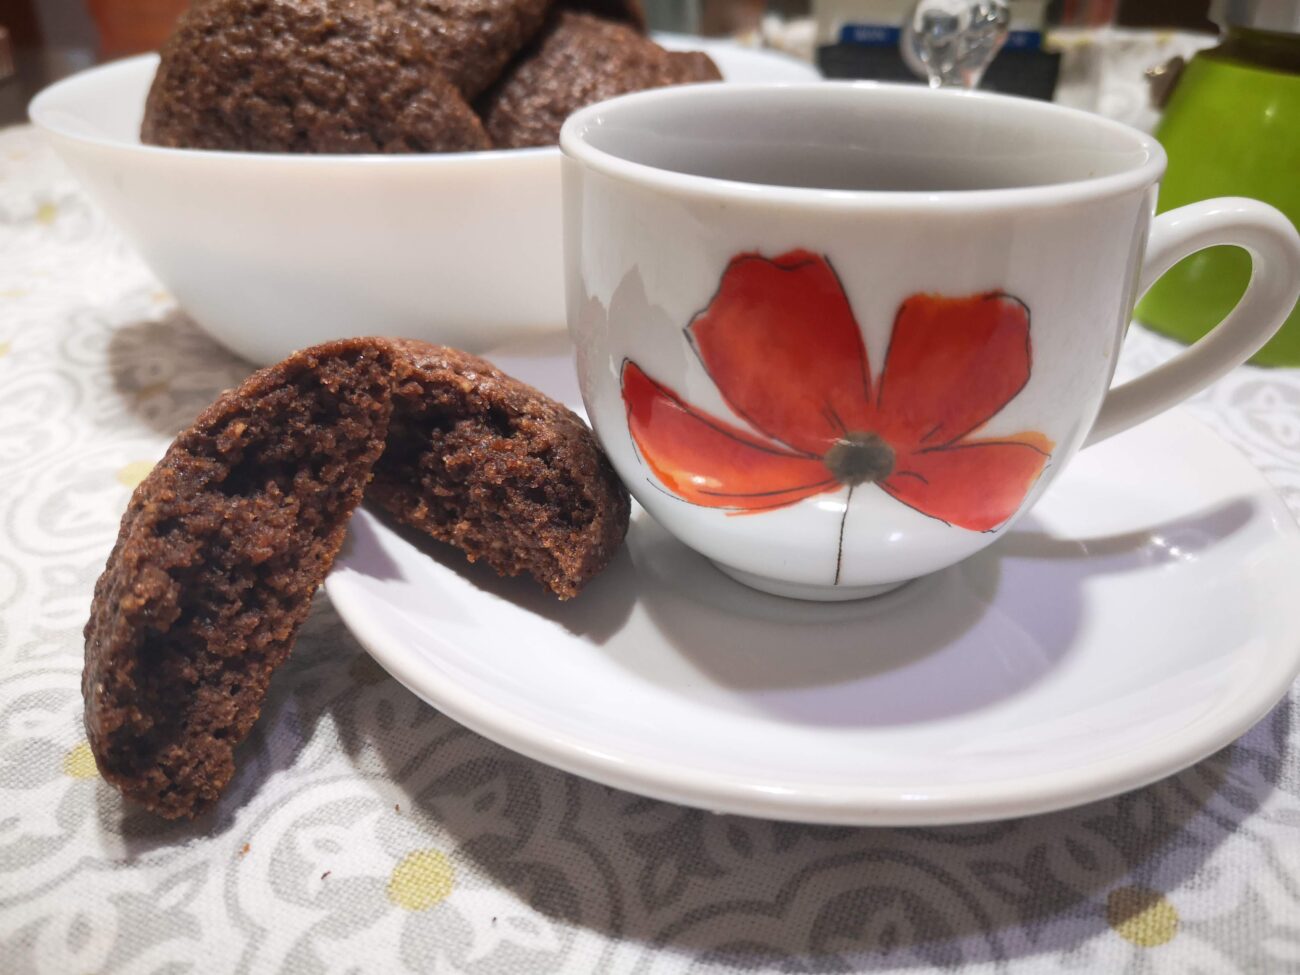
(575, 146)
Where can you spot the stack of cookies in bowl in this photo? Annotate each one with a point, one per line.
(366, 76)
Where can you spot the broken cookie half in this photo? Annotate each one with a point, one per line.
(224, 543)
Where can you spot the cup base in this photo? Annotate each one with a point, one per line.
(796, 590)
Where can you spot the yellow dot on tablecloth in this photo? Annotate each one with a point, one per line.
(1141, 915)
(133, 473)
(422, 879)
(80, 763)
(4, 349)
(46, 214)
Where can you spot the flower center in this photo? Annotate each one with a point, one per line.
(860, 458)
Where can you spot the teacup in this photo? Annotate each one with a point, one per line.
(837, 336)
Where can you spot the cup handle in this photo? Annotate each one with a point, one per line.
(1274, 248)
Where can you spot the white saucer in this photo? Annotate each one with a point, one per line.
(1144, 615)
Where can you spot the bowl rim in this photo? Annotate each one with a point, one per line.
(577, 149)
(43, 113)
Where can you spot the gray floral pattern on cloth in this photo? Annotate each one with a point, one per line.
(365, 832)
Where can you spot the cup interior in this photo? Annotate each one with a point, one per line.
(861, 137)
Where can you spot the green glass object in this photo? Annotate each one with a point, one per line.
(1232, 128)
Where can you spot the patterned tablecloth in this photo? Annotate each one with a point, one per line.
(365, 832)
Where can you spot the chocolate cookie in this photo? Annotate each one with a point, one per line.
(224, 543)
(220, 551)
(689, 67)
(471, 40)
(496, 468)
(579, 60)
(332, 76)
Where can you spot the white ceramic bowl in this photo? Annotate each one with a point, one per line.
(271, 252)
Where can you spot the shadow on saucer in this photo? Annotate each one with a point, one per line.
(1173, 541)
(600, 611)
(825, 663)
(971, 635)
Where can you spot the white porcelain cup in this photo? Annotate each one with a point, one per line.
(837, 336)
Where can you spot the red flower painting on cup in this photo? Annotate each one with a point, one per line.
(781, 344)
